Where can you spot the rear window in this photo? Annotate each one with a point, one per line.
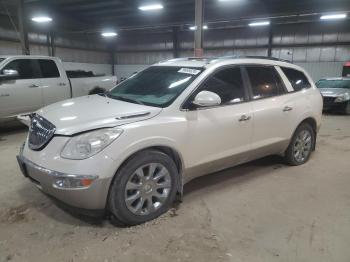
(48, 68)
(298, 80)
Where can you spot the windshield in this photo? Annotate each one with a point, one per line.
(156, 86)
(340, 83)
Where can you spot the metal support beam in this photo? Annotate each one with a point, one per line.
(52, 43)
(23, 28)
(198, 36)
(113, 62)
(176, 43)
(269, 49)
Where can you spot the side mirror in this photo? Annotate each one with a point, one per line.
(206, 98)
(9, 74)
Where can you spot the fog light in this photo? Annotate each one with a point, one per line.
(73, 182)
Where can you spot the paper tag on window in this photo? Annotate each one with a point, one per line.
(189, 71)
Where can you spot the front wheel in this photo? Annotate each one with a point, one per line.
(301, 145)
(143, 189)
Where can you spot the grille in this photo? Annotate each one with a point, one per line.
(40, 132)
(328, 100)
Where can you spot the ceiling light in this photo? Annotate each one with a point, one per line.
(334, 16)
(42, 19)
(263, 23)
(151, 7)
(109, 34)
(194, 27)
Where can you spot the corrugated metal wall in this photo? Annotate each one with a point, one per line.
(320, 47)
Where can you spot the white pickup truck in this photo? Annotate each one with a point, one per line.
(28, 83)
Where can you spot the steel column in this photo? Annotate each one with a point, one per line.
(23, 28)
(176, 43)
(269, 49)
(198, 36)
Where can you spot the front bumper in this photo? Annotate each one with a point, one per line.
(89, 198)
(330, 105)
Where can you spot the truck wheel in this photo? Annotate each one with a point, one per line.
(301, 145)
(143, 188)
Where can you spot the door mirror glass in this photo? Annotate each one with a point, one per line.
(8, 74)
(206, 99)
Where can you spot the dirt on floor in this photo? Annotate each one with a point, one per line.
(261, 211)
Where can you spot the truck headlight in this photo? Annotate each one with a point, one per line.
(342, 98)
(88, 144)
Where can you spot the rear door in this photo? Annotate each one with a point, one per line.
(55, 84)
(21, 95)
(272, 110)
(219, 137)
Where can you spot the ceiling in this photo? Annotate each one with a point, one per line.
(91, 16)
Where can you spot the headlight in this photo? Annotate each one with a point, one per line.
(90, 143)
(342, 98)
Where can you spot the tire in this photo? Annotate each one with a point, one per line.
(134, 196)
(299, 151)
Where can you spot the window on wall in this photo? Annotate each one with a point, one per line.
(48, 69)
(26, 68)
(265, 81)
(298, 80)
(228, 84)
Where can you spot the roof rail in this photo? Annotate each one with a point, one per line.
(255, 57)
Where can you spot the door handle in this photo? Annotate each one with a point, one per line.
(62, 84)
(33, 86)
(287, 108)
(244, 118)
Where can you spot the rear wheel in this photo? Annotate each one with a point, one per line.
(301, 145)
(144, 188)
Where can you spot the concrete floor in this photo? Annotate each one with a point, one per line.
(261, 211)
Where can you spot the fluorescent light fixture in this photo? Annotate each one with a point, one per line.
(42, 19)
(262, 23)
(333, 16)
(151, 7)
(193, 28)
(109, 34)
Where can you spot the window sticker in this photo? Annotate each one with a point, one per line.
(189, 71)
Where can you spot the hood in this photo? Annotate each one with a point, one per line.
(333, 92)
(91, 112)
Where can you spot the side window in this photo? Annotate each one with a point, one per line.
(48, 68)
(265, 81)
(298, 80)
(26, 68)
(228, 84)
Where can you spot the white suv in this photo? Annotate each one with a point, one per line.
(131, 150)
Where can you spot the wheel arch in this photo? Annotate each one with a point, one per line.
(169, 151)
(313, 123)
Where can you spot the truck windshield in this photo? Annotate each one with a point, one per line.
(338, 83)
(156, 86)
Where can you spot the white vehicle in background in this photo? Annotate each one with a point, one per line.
(28, 83)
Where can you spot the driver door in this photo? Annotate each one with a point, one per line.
(21, 95)
(219, 137)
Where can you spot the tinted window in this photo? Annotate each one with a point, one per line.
(265, 81)
(26, 68)
(296, 78)
(156, 86)
(48, 68)
(228, 84)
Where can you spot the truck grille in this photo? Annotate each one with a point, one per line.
(40, 132)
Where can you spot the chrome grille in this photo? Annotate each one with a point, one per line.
(40, 132)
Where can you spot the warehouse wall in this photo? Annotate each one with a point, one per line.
(321, 48)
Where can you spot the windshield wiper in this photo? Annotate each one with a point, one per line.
(122, 98)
